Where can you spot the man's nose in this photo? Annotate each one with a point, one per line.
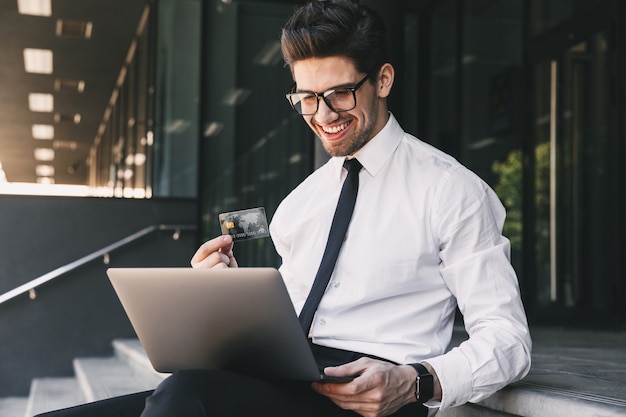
(324, 113)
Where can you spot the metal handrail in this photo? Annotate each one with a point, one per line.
(104, 252)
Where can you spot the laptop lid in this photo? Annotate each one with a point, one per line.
(240, 319)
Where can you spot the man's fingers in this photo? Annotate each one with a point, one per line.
(380, 390)
(213, 252)
(213, 260)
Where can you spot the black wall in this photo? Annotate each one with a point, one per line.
(77, 314)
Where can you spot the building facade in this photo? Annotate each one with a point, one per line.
(527, 93)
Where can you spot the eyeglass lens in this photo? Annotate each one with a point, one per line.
(338, 100)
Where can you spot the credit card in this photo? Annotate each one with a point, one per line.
(245, 224)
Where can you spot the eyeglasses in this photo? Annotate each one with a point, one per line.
(339, 99)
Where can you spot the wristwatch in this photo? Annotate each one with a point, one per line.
(424, 383)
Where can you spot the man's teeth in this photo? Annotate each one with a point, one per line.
(335, 129)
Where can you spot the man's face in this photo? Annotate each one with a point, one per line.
(341, 133)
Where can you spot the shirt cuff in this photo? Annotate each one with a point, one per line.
(455, 378)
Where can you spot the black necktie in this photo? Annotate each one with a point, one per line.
(338, 229)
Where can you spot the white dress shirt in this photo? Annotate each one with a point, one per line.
(425, 237)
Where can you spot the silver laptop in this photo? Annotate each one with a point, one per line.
(239, 319)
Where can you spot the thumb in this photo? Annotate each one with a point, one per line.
(348, 369)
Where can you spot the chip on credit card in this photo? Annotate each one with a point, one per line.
(245, 224)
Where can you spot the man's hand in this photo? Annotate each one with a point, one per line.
(215, 253)
(380, 390)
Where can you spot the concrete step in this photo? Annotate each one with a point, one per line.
(102, 378)
(47, 394)
(543, 392)
(132, 351)
(13, 406)
(128, 371)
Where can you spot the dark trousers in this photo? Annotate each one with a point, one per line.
(218, 393)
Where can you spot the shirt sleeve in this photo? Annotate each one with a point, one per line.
(282, 243)
(467, 220)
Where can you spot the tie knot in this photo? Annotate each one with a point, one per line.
(352, 164)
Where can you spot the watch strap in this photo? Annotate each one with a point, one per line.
(424, 383)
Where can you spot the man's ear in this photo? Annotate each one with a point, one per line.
(385, 80)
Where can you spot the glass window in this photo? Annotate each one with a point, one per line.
(547, 14)
(490, 136)
(120, 159)
(255, 148)
(573, 184)
(175, 163)
(491, 70)
(442, 125)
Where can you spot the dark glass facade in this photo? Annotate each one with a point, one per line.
(575, 145)
(529, 94)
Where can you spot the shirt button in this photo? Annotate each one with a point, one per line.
(322, 322)
(337, 285)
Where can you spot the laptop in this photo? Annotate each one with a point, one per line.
(238, 319)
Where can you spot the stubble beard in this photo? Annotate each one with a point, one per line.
(350, 145)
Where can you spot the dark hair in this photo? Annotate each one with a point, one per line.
(327, 28)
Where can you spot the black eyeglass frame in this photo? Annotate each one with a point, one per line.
(324, 94)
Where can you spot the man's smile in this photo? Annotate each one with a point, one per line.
(335, 132)
(335, 129)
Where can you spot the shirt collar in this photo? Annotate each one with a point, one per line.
(378, 150)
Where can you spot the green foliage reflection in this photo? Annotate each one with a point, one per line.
(509, 189)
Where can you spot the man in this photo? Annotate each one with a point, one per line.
(424, 237)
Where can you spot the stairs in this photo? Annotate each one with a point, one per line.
(573, 375)
(126, 372)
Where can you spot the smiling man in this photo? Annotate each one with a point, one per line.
(332, 114)
(421, 236)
